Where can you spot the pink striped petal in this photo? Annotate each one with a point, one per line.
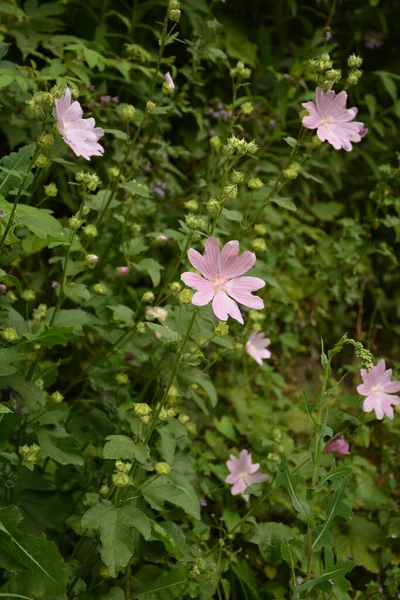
(207, 264)
(223, 306)
(232, 265)
(241, 290)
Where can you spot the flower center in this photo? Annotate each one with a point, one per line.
(326, 121)
(219, 283)
(243, 475)
(376, 389)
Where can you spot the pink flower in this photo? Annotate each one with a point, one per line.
(169, 82)
(122, 271)
(330, 117)
(81, 135)
(337, 446)
(242, 473)
(222, 279)
(256, 347)
(377, 387)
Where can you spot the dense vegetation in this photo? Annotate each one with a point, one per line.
(176, 420)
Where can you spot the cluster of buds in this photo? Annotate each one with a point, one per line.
(89, 180)
(29, 453)
(240, 71)
(39, 102)
(194, 222)
(238, 146)
(174, 13)
(199, 567)
(162, 468)
(142, 410)
(354, 62)
(292, 171)
(321, 64)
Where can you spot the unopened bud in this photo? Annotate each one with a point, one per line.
(91, 259)
(90, 230)
(216, 142)
(100, 289)
(10, 335)
(120, 479)
(123, 467)
(128, 112)
(148, 297)
(255, 183)
(150, 105)
(229, 192)
(213, 206)
(121, 378)
(162, 468)
(185, 297)
(56, 397)
(104, 490)
(354, 61)
(259, 245)
(28, 295)
(51, 190)
(192, 205)
(246, 108)
(46, 141)
(237, 176)
(221, 329)
(41, 162)
(29, 453)
(74, 223)
(141, 409)
(175, 15)
(175, 287)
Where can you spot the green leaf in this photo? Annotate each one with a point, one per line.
(76, 291)
(18, 162)
(284, 203)
(115, 526)
(225, 427)
(334, 507)
(137, 188)
(174, 489)
(6, 79)
(327, 211)
(121, 135)
(269, 538)
(289, 482)
(120, 446)
(335, 475)
(115, 593)
(169, 435)
(4, 409)
(169, 586)
(38, 567)
(203, 380)
(232, 215)
(362, 542)
(306, 406)
(167, 335)
(388, 83)
(60, 446)
(56, 336)
(152, 267)
(335, 572)
(10, 358)
(3, 49)
(37, 220)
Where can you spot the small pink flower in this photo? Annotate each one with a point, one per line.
(169, 82)
(162, 238)
(222, 282)
(378, 387)
(122, 271)
(337, 446)
(81, 135)
(330, 117)
(157, 335)
(242, 473)
(256, 347)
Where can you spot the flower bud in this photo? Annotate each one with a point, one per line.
(29, 453)
(175, 15)
(150, 105)
(213, 206)
(113, 172)
(273, 457)
(39, 313)
(175, 287)
(168, 85)
(229, 192)
(90, 231)
(183, 419)
(246, 108)
(185, 297)
(104, 490)
(122, 271)
(123, 467)
(148, 297)
(259, 245)
(121, 378)
(46, 141)
(292, 171)
(41, 162)
(39, 383)
(354, 77)
(28, 295)
(221, 329)
(141, 409)
(354, 61)
(128, 112)
(162, 468)
(136, 228)
(145, 419)
(192, 205)
(120, 479)
(56, 397)
(74, 223)
(10, 335)
(255, 183)
(91, 259)
(252, 147)
(51, 190)
(333, 75)
(104, 572)
(100, 289)
(260, 229)
(256, 315)
(3, 289)
(140, 327)
(240, 71)
(237, 176)
(191, 428)
(216, 142)
(11, 296)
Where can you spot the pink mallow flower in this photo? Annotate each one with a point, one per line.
(122, 271)
(222, 282)
(169, 82)
(81, 135)
(337, 446)
(378, 387)
(256, 347)
(242, 473)
(330, 117)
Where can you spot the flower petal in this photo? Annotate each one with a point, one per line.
(231, 265)
(208, 263)
(223, 306)
(241, 289)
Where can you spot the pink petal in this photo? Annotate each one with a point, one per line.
(231, 265)
(240, 290)
(257, 478)
(223, 306)
(207, 264)
(364, 389)
(205, 290)
(238, 487)
(231, 478)
(392, 386)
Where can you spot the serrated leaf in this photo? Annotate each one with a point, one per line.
(306, 406)
(38, 566)
(335, 475)
(175, 490)
(51, 337)
(269, 538)
(334, 507)
(289, 482)
(120, 446)
(335, 572)
(76, 291)
(60, 446)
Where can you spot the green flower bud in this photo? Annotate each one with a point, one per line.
(192, 205)
(185, 297)
(100, 289)
(91, 259)
(256, 315)
(90, 231)
(191, 428)
(252, 147)
(150, 105)
(273, 457)
(259, 245)
(40, 313)
(229, 192)
(354, 61)
(136, 228)
(104, 490)
(354, 77)
(121, 378)
(74, 223)
(51, 190)
(113, 172)
(145, 419)
(120, 479)
(41, 162)
(11, 296)
(39, 383)
(128, 112)
(148, 297)
(255, 183)
(57, 397)
(104, 572)
(240, 71)
(260, 229)
(10, 335)
(213, 206)
(162, 468)
(216, 142)
(29, 453)
(28, 295)
(175, 15)
(237, 176)
(140, 327)
(183, 419)
(246, 108)
(123, 467)
(175, 287)
(333, 75)
(292, 171)
(141, 409)
(46, 140)
(222, 329)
